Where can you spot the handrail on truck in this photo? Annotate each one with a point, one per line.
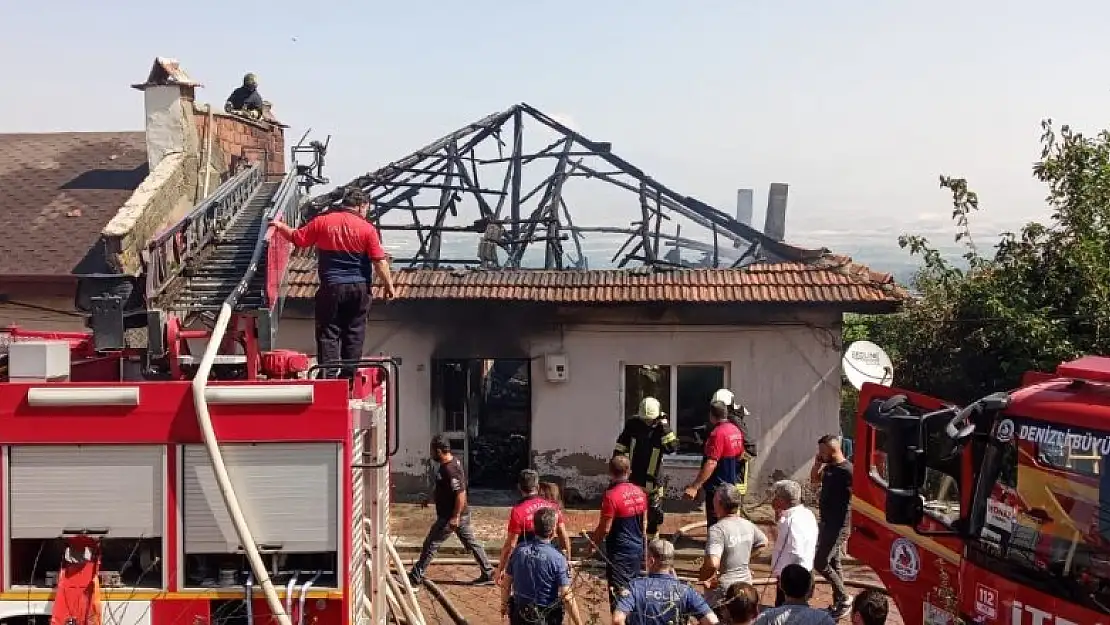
(391, 368)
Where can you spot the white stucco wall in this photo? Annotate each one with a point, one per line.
(169, 125)
(788, 376)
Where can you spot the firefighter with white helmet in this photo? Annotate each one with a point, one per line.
(646, 437)
(737, 414)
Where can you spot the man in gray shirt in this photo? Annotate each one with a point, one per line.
(797, 584)
(731, 542)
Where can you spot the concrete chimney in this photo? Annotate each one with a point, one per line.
(743, 209)
(775, 224)
(744, 202)
(168, 93)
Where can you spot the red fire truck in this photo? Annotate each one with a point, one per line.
(995, 512)
(201, 476)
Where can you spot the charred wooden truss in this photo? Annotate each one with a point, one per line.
(480, 183)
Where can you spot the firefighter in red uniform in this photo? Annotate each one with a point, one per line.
(522, 515)
(737, 414)
(723, 453)
(622, 526)
(348, 253)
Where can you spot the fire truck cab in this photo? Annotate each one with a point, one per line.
(995, 512)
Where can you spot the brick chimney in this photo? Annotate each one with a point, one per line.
(168, 93)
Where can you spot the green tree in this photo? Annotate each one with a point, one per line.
(1041, 296)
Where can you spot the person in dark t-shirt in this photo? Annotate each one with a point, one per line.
(622, 525)
(452, 515)
(246, 100)
(832, 471)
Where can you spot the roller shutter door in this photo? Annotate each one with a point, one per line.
(288, 494)
(55, 487)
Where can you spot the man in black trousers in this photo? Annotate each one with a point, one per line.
(349, 254)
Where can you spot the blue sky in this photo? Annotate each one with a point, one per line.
(858, 105)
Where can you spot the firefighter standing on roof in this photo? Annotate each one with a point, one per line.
(348, 253)
(645, 438)
(246, 100)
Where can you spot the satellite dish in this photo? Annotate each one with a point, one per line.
(865, 361)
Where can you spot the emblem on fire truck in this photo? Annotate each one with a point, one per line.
(1005, 432)
(905, 561)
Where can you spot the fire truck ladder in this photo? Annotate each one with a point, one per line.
(222, 259)
(222, 253)
(207, 282)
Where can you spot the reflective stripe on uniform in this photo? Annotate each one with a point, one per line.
(653, 464)
(742, 485)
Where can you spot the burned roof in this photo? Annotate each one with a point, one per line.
(57, 191)
(479, 186)
(834, 281)
(516, 237)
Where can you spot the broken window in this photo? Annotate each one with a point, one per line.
(683, 392)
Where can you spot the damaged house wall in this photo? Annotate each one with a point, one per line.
(788, 375)
(169, 190)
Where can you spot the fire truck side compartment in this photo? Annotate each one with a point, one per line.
(56, 488)
(289, 493)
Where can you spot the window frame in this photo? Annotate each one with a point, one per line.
(677, 459)
(872, 446)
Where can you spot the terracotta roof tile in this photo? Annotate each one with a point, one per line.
(831, 280)
(57, 191)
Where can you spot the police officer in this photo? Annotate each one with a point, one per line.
(645, 439)
(661, 597)
(536, 589)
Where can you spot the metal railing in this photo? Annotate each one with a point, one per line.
(166, 256)
(370, 566)
(285, 207)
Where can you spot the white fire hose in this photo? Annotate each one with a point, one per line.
(204, 419)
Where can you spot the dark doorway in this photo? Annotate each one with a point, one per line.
(485, 408)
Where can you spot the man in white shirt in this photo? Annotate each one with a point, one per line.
(796, 542)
